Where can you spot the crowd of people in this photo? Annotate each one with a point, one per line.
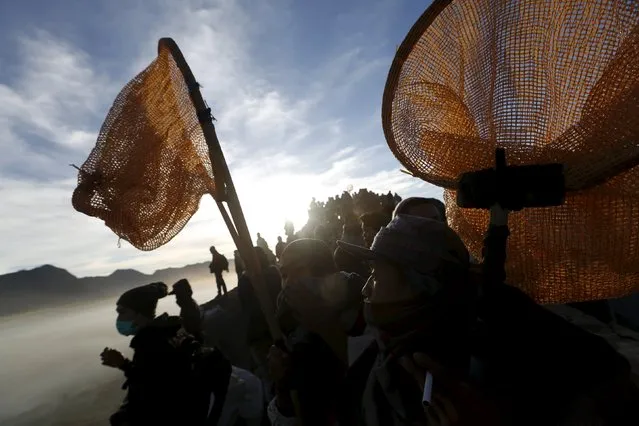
(442, 339)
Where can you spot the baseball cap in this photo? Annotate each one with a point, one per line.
(307, 251)
(421, 243)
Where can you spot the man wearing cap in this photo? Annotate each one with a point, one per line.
(351, 233)
(417, 298)
(189, 309)
(372, 222)
(498, 359)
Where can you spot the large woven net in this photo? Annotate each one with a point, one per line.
(550, 81)
(150, 166)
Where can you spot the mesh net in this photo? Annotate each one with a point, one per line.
(551, 81)
(150, 166)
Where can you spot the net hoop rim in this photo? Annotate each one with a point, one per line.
(392, 80)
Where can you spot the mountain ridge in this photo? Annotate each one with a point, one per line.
(48, 285)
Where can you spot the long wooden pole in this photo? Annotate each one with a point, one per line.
(226, 190)
(228, 222)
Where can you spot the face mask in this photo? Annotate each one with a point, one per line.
(419, 325)
(335, 289)
(395, 317)
(397, 324)
(125, 328)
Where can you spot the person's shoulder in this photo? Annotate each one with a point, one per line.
(164, 326)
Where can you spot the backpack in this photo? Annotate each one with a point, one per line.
(224, 263)
(219, 263)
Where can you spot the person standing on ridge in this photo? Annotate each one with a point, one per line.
(219, 264)
(239, 264)
(279, 248)
(261, 242)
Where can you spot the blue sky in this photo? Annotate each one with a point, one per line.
(296, 87)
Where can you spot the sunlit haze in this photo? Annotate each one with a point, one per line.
(295, 88)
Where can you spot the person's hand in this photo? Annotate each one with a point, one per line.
(180, 336)
(278, 363)
(112, 358)
(454, 402)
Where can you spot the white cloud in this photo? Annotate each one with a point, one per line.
(283, 148)
(57, 91)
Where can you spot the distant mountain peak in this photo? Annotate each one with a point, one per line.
(49, 270)
(127, 274)
(48, 285)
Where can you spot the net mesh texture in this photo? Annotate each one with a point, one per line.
(549, 81)
(150, 166)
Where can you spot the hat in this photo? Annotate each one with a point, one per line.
(182, 287)
(409, 203)
(143, 299)
(309, 252)
(423, 244)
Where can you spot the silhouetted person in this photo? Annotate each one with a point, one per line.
(239, 264)
(189, 309)
(317, 309)
(323, 233)
(171, 378)
(279, 247)
(218, 265)
(258, 336)
(261, 242)
(289, 230)
(495, 355)
(371, 224)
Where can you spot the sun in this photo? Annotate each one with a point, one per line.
(270, 203)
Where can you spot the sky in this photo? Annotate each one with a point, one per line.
(295, 86)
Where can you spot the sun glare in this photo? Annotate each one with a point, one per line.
(270, 203)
